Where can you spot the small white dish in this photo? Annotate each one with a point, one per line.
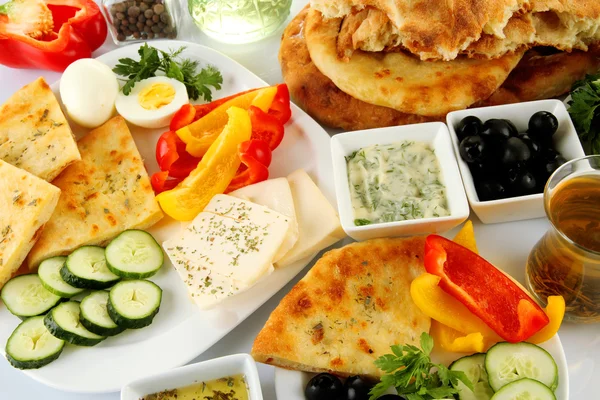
(191, 374)
(437, 136)
(519, 208)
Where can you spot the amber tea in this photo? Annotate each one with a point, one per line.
(566, 261)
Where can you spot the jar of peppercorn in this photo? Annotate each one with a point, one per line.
(141, 20)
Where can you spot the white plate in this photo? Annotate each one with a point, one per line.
(506, 245)
(181, 332)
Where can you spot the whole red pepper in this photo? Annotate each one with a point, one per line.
(49, 34)
(484, 290)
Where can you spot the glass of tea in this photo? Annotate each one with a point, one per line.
(566, 260)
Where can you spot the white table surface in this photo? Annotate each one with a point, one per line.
(581, 342)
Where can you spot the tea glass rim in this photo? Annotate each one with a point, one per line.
(547, 197)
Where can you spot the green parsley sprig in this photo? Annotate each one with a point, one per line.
(410, 370)
(184, 70)
(584, 109)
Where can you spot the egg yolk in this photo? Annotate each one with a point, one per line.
(156, 96)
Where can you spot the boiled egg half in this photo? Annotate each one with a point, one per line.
(152, 102)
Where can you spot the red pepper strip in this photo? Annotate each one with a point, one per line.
(203, 109)
(484, 290)
(160, 182)
(266, 127)
(183, 117)
(251, 152)
(57, 49)
(172, 157)
(280, 108)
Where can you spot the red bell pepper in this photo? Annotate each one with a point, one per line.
(280, 108)
(160, 182)
(172, 157)
(183, 117)
(484, 290)
(256, 156)
(266, 127)
(49, 34)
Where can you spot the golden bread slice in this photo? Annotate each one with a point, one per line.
(402, 81)
(105, 193)
(348, 310)
(34, 134)
(27, 204)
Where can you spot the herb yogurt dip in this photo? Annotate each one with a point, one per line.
(396, 182)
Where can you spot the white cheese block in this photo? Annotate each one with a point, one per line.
(318, 222)
(276, 195)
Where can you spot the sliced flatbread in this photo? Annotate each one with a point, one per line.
(402, 81)
(348, 310)
(105, 193)
(27, 204)
(34, 134)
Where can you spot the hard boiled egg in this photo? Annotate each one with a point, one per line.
(152, 102)
(88, 89)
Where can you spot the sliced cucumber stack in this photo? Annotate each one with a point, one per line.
(32, 346)
(25, 296)
(86, 268)
(133, 304)
(474, 368)
(94, 315)
(508, 362)
(524, 389)
(134, 254)
(49, 272)
(63, 322)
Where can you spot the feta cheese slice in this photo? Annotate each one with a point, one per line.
(276, 195)
(318, 222)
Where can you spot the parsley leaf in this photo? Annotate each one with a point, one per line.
(584, 109)
(409, 370)
(153, 60)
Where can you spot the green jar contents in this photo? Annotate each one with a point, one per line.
(239, 21)
(396, 182)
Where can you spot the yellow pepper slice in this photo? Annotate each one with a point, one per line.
(456, 342)
(214, 172)
(555, 310)
(466, 237)
(199, 135)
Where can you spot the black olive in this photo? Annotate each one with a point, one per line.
(483, 170)
(551, 164)
(491, 190)
(542, 124)
(535, 147)
(357, 388)
(522, 182)
(324, 387)
(513, 129)
(498, 130)
(468, 126)
(515, 151)
(391, 397)
(472, 149)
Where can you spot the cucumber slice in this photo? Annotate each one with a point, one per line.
(49, 272)
(94, 315)
(524, 389)
(474, 367)
(133, 304)
(134, 254)
(63, 322)
(32, 346)
(25, 296)
(86, 268)
(508, 362)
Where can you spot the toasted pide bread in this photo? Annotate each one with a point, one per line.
(27, 204)
(34, 134)
(105, 193)
(348, 310)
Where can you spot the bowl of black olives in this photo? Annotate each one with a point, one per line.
(507, 153)
(329, 387)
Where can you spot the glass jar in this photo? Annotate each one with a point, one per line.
(566, 260)
(140, 20)
(239, 21)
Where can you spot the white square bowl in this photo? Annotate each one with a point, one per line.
(565, 141)
(191, 374)
(436, 135)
